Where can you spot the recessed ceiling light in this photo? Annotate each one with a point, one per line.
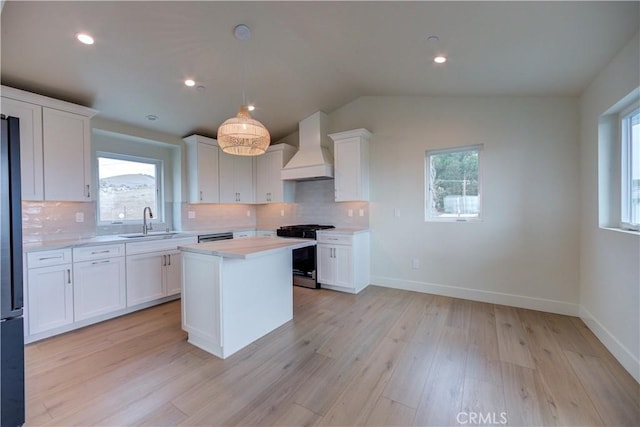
(84, 38)
(190, 82)
(440, 59)
(152, 117)
(251, 107)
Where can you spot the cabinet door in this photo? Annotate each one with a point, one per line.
(67, 155)
(326, 264)
(343, 262)
(99, 287)
(236, 179)
(347, 171)
(268, 182)
(31, 169)
(208, 191)
(50, 297)
(173, 272)
(144, 278)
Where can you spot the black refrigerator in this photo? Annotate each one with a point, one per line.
(12, 407)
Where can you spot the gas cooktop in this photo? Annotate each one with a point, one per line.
(305, 231)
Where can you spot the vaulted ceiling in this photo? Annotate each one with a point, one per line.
(302, 57)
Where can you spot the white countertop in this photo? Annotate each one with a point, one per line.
(247, 248)
(98, 240)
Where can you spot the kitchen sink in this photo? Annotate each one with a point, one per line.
(165, 234)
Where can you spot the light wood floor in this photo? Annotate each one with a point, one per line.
(384, 357)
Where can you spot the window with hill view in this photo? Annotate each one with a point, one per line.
(453, 184)
(127, 184)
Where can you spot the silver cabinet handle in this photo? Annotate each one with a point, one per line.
(50, 257)
(200, 195)
(68, 276)
(106, 261)
(100, 252)
(164, 260)
(169, 259)
(88, 191)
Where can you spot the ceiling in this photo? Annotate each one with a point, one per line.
(303, 56)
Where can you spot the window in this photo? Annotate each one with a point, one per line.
(630, 168)
(127, 185)
(453, 184)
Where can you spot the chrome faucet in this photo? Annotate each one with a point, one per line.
(146, 227)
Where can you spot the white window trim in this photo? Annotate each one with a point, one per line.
(427, 182)
(625, 164)
(158, 211)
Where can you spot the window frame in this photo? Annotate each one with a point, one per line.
(158, 210)
(428, 190)
(626, 156)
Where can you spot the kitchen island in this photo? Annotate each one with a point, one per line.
(236, 291)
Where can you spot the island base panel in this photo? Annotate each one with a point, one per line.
(252, 296)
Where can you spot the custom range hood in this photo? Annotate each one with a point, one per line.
(313, 160)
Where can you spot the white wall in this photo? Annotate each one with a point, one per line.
(525, 251)
(609, 260)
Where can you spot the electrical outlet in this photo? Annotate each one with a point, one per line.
(281, 212)
(350, 212)
(191, 214)
(248, 212)
(361, 212)
(415, 263)
(79, 216)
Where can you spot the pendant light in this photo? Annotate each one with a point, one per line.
(243, 135)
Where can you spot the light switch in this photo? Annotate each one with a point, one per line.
(79, 216)
(396, 212)
(350, 212)
(361, 212)
(281, 212)
(191, 214)
(248, 213)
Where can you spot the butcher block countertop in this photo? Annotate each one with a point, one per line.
(250, 247)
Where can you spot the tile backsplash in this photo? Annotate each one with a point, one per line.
(48, 221)
(314, 204)
(217, 216)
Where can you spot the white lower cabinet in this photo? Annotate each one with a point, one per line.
(343, 260)
(144, 278)
(50, 298)
(156, 272)
(153, 276)
(99, 280)
(173, 272)
(99, 287)
(49, 290)
(335, 265)
(69, 288)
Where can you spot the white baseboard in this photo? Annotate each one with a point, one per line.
(630, 362)
(532, 303)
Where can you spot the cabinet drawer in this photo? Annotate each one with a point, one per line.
(46, 258)
(89, 253)
(159, 245)
(336, 239)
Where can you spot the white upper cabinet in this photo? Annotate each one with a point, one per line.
(236, 178)
(67, 156)
(56, 146)
(351, 165)
(270, 188)
(202, 169)
(31, 158)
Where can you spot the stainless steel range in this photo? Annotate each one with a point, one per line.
(304, 259)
